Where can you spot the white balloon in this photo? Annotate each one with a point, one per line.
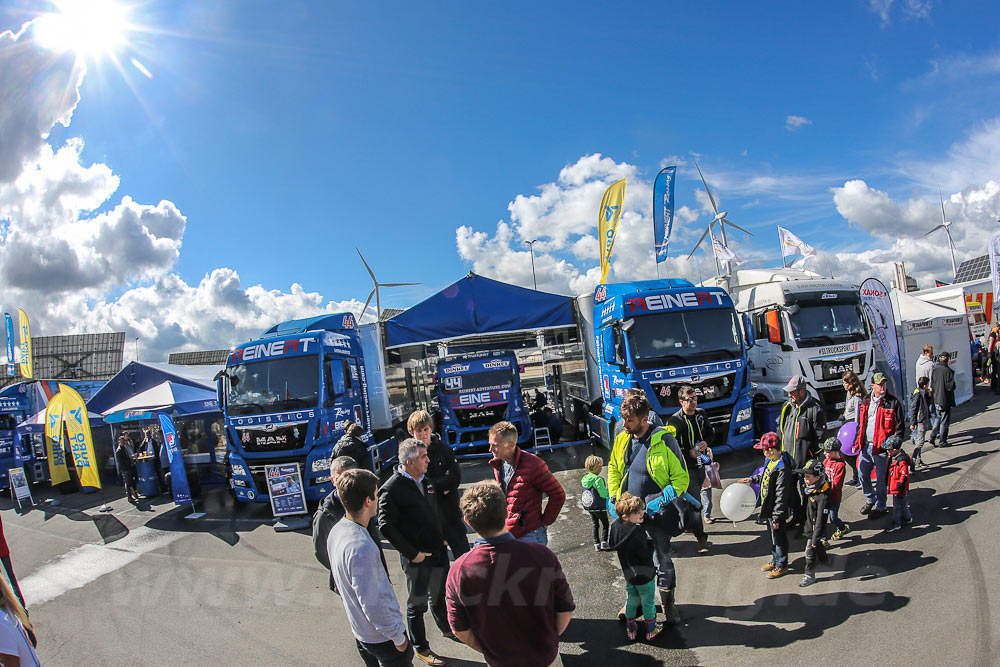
(738, 501)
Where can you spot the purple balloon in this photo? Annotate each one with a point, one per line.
(847, 435)
(756, 487)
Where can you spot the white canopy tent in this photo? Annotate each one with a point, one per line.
(920, 323)
(167, 396)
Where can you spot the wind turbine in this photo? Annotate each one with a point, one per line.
(375, 292)
(719, 217)
(945, 225)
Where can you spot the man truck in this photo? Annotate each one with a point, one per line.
(286, 397)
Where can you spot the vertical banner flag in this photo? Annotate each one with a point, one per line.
(663, 211)
(54, 447)
(178, 475)
(81, 440)
(11, 363)
(26, 366)
(878, 309)
(792, 244)
(995, 269)
(722, 251)
(612, 204)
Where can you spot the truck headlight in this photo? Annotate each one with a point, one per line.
(239, 470)
(320, 464)
(743, 414)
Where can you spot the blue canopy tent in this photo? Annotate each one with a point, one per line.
(171, 397)
(478, 306)
(138, 376)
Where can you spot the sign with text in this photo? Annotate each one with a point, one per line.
(284, 485)
(19, 485)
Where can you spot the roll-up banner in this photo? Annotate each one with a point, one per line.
(27, 368)
(878, 309)
(54, 447)
(11, 356)
(178, 475)
(81, 441)
(663, 211)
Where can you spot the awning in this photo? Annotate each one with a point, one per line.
(170, 397)
(138, 376)
(36, 423)
(476, 306)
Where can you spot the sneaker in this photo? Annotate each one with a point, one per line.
(653, 630)
(841, 533)
(767, 567)
(605, 546)
(631, 629)
(597, 547)
(893, 528)
(825, 542)
(777, 572)
(807, 580)
(908, 521)
(429, 657)
(703, 546)
(448, 634)
(856, 483)
(709, 519)
(866, 508)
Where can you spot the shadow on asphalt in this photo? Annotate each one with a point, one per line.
(606, 638)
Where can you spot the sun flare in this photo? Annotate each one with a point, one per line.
(89, 28)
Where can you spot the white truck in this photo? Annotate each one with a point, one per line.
(804, 324)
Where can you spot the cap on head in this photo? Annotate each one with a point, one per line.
(879, 378)
(797, 382)
(944, 357)
(767, 441)
(812, 467)
(831, 445)
(893, 442)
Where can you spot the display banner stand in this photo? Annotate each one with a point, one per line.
(19, 489)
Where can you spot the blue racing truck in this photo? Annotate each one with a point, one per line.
(477, 390)
(286, 397)
(658, 335)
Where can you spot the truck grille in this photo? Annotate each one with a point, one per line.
(707, 389)
(484, 417)
(719, 418)
(825, 370)
(273, 437)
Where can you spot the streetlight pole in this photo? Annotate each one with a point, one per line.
(137, 348)
(531, 249)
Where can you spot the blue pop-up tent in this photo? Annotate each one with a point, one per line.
(138, 376)
(476, 306)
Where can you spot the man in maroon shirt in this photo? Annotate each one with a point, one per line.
(507, 598)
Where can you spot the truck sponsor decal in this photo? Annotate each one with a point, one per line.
(693, 370)
(275, 348)
(455, 368)
(269, 419)
(838, 349)
(657, 302)
(497, 363)
(479, 398)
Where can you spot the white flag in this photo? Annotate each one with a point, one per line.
(722, 251)
(789, 240)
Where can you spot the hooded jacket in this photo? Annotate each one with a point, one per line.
(662, 462)
(920, 408)
(532, 479)
(810, 430)
(835, 470)
(899, 474)
(924, 367)
(777, 489)
(634, 552)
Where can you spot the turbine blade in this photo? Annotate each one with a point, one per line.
(396, 284)
(710, 197)
(370, 272)
(725, 221)
(703, 235)
(370, 295)
(935, 229)
(941, 197)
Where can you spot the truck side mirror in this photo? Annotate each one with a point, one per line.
(775, 332)
(748, 331)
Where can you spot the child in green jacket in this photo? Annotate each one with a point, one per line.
(595, 500)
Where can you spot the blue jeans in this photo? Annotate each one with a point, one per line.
(939, 432)
(779, 542)
(643, 595)
(539, 535)
(835, 520)
(706, 502)
(880, 462)
(900, 510)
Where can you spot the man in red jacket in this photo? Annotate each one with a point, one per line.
(879, 417)
(524, 478)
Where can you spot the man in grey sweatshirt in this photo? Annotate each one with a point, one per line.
(361, 576)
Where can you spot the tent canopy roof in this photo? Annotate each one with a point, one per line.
(168, 394)
(911, 308)
(476, 306)
(138, 376)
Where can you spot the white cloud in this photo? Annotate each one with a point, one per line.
(911, 9)
(793, 123)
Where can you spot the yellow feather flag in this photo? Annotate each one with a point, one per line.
(27, 369)
(612, 204)
(81, 441)
(58, 472)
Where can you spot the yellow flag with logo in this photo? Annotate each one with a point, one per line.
(58, 472)
(81, 441)
(27, 369)
(612, 204)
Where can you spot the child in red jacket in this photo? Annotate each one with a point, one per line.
(899, 482)
(835, 468)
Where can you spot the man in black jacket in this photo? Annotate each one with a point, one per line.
(693, 433)
(802, 427)
(777, 491)
(446, 476)
(408, 517)
(943, 392)
(351, 444)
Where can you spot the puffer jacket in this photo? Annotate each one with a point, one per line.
(889, 420)
(899, 474)
(530, 482)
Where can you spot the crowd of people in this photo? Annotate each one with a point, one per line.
(658, 486)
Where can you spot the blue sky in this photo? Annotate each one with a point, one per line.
(282, 135)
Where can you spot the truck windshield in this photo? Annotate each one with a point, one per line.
(815, 325)
(482, 381)
(684, 338)
(273, 385)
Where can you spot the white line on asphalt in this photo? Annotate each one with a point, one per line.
(88, 562)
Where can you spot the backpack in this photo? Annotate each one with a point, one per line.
(591, 500)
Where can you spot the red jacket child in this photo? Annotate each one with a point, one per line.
(899, 474)
(835, 469)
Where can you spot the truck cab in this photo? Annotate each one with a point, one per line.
(659, 335)
(286, 398)
(806, 325)
(477, 390)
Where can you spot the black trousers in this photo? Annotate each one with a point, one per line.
(385, 654)
(814, 552)
(425, 582)
(600, 520)
(456, 537)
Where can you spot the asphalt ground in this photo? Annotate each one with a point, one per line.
(147, 587)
